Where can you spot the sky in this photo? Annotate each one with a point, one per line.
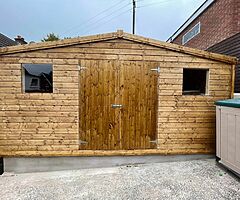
(34, 19)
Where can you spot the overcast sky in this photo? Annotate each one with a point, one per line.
(33, 19)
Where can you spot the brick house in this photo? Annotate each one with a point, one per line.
(214, 26)
(6, 41)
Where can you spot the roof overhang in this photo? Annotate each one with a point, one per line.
(117, 35)
(194, 16)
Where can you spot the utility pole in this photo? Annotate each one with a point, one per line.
(134, 17)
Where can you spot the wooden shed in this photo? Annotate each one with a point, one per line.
(110, 94)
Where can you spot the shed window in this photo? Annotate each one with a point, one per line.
(195, 81)
(37, 78)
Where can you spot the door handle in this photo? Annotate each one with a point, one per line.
(116, 105)
(156, 69)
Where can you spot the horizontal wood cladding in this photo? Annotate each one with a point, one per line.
(48, 124)
(39, 121)
(48, 153)
(188, 121)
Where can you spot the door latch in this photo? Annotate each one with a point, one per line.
(117, 105)
(156, 69)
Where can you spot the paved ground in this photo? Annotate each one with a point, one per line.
(198, 179)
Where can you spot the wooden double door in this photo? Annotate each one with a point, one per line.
(118, 105)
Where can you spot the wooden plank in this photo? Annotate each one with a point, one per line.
(10, 66)
(37, 125)
(38, 119)
(63, 58)
(187, 125)
(109, 49)
(39, 102)
(101, 121)
(39, 96)
(51, 152)
(187, 130)
(145, 84)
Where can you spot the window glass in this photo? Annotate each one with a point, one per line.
(195, 81)
(192, 33)
(37, 78)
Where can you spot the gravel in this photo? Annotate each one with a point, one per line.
(197, 179)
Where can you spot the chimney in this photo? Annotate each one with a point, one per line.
(20, 40)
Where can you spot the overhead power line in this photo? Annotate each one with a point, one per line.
(102, 24)
(153, 3)
(97, 15)
(110, 14)
(95, 21)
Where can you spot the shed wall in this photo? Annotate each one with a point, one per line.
(49, 122)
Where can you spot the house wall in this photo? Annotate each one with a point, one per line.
(32, 124)
(230, 47)
(218, 22)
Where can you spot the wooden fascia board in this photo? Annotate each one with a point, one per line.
(181, 49)
(55, 44)
(115, 35)
(102, 152)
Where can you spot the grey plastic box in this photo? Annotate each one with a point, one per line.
(228, 133)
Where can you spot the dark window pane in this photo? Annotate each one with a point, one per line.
(194, 81)
(37, 78)
(34, 82)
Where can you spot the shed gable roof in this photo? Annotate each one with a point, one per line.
(116, 35)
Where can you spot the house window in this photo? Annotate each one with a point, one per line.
(195, 81)
(34, 82)
(191, 33)
(37, 78)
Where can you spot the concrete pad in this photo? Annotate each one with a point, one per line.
(195, 179)
(44, 164)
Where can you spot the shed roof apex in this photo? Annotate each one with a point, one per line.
(116, 35)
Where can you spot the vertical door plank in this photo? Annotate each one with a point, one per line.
(82, 107)
(139, 97)
(99, 123)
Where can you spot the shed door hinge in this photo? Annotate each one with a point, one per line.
(116, 105)
(82, 142)
(81, 68)
(153, 141)
(156, 69)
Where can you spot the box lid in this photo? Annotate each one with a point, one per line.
(235, 103)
